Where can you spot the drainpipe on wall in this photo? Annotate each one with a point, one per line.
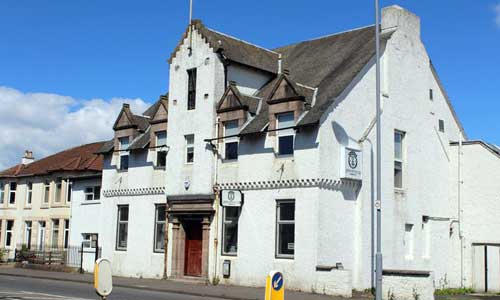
(165, 247)
(216, 204)
(459, 207)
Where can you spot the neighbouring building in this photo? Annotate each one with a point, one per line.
(474, 216)
(35, 198)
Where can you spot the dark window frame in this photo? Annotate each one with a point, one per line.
(191, 97)
(279, 222)
(120, 222)
(159, 222)
(224, 224)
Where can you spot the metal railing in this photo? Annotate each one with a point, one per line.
(71, 256)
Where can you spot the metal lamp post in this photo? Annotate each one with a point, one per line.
(378, 203)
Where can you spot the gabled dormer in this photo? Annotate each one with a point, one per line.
(235, 107)
(158, 114)
(287, 97)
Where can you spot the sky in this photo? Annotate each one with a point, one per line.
(66, 66)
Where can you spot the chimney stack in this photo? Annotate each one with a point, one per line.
(27, 158)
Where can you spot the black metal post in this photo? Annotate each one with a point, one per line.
(81, 259)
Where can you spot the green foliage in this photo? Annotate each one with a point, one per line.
(453, 292)
(2, 254)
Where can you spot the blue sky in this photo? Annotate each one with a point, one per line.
(96, 49)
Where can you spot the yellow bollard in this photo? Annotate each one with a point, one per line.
(275, 286)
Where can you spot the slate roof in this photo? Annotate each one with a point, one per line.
(153, 108)
(78, 159)
(142, 123)
(329, 64)
(235, 49)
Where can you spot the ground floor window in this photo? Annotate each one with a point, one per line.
(230, 230)
(55, 233)
(285, 228)
(122, 228)
(160, 217)
(27, 234)
(41, 235)
(66, 233)
(9, 233)
(89, 240)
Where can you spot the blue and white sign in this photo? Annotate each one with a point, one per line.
(277, 281)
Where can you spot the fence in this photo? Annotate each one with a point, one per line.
(70, 257)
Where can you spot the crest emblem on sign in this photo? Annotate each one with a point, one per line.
(230, 195)
(352, 159)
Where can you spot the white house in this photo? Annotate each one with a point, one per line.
(280, 126)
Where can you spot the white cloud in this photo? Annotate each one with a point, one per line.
(46, 123)
(496, 8)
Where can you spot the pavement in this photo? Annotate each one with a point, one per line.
(155, 285)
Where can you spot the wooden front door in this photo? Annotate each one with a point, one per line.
(194, 244)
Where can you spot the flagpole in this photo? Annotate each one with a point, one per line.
(378, 255)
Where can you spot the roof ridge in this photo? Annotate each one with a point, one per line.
(240, 40)
(327, 36)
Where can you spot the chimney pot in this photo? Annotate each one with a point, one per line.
(28, 157)
(126, 105)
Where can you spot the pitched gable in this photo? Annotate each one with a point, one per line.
(285, 90)
(125, 118)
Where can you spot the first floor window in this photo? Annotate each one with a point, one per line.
(27, 234)
(9, 234)
(55, 233)
(12, 192)
(29, 193)
(189, 148)
(93, 193)
(123, 144)
(2, 192)
(160, 217)
(231, 142)
(286, 133)
(57, 197)
(69, 190)
(230, 230)
(161, 151)
(122, 230)
(398, 158)
(285, 228)
(66, 233)
(46, 192)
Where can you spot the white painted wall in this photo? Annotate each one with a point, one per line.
(248, 81)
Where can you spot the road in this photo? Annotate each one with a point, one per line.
(23, 288)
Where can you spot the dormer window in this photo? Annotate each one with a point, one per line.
(286, 133)
(123, 144)
(231, 140)
(161, 151)
(191, 103)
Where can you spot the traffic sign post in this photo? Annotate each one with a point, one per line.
(103, 280)
(275, 286)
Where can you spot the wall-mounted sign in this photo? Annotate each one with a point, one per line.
(352, 164)
(231, 198)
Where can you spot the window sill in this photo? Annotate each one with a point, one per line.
(230, 161)
(121, 250)
(229, 254)
(91, 202)
(44, 206)
(400, 191)
(159, 168)
(284, 257)
(121, 170)
(159, 252)
(289, 157)
(27, 207)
